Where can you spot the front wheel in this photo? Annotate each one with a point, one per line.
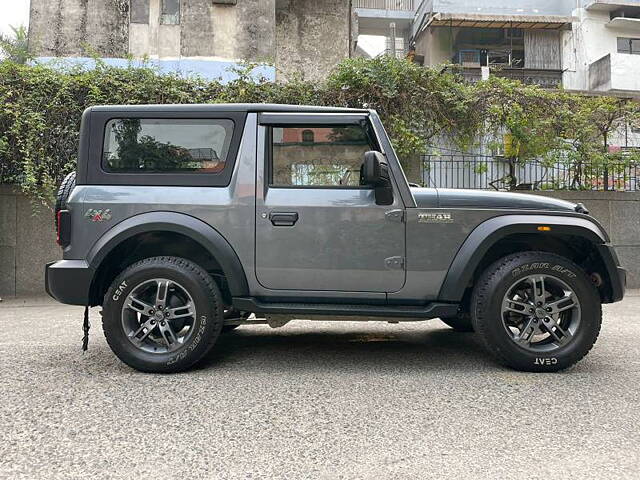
(460, 323)
(162, 314)
(536, 311)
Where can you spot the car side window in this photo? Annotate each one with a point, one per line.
(318, 156)
(144, 145)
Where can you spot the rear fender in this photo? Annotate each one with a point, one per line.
(197, 230)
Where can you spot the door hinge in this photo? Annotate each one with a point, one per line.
(394, 263)
(395, 215)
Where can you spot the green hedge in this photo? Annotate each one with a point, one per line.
(40, 109)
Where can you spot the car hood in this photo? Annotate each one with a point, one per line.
(456, 198)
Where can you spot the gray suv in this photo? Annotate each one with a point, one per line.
(186, 221)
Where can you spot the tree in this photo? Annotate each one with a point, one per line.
(522, 117)
(589, 124)
(16, 47)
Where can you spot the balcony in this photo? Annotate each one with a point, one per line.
(610, 74)
(608, 5)
(395, 5)
(375, 16)
(505, 62)
(529, 76)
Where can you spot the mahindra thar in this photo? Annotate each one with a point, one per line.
(186, 221)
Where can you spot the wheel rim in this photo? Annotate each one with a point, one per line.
(541, 313)
(158, 316)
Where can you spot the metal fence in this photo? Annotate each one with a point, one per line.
(489, 173)
(400, 5)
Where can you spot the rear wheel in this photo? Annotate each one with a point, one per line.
(536, 311)
(162, 314)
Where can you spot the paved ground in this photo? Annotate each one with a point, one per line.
(314, 400)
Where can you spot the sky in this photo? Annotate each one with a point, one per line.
(13, 12)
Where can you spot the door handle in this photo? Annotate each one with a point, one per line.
(283, 219)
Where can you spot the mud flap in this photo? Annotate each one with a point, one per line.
(85, 329)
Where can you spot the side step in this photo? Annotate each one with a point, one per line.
(432, 310)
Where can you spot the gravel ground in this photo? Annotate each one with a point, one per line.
(314, 400)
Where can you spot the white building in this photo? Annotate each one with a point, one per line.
(602, 51)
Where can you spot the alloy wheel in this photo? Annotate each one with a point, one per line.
(541, 313)
(158, 316)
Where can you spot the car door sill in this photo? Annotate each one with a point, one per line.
(431, 310)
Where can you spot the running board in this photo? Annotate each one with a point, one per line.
(432, 310)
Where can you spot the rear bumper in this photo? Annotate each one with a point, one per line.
(617, 274)
(69, 281)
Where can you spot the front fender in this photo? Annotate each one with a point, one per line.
(491, 231)
(181, 223)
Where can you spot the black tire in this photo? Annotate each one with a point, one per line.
(65, 189)
(206, 321)
(460, 323)
(487, 311)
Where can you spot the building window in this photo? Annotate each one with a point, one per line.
(308, 136)
(332, 159)
(139, 11)
(145, 145)
(629, 45)
(170, 14)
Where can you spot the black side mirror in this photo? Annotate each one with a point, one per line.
(375, 173)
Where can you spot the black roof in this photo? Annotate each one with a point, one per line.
(225, 107)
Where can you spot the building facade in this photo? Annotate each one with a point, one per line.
(288, 37)
(583, 45)
(391, 19)
(602, 53)
(516, 39)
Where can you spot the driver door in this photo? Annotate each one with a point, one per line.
(317, 228)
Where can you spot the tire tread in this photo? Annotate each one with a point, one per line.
(484, 290)
(213, 293)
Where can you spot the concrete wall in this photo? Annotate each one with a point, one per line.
(63, 27)
(435, 44)
(245, 31)
(60, 28)
(619, 213)
(27, 242)
(305, 36)
(311, 36)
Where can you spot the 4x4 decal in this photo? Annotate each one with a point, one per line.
(98, 215)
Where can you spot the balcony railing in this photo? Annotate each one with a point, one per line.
(398, 5)
(543, 78)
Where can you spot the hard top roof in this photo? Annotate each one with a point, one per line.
(226, 107)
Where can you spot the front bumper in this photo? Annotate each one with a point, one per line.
(69, 281)
(617, 274)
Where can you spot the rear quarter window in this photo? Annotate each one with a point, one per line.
(146, 145)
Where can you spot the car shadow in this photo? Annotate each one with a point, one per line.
(359, 349)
